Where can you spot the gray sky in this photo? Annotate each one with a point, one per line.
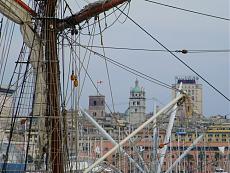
(176, 30)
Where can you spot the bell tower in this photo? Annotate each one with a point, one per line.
(97, 106)
(136, 104)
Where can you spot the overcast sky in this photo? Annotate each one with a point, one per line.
(176, 30)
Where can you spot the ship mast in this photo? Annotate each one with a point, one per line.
(52, 26)
(53, 101)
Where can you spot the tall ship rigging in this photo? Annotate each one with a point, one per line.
(44, 128)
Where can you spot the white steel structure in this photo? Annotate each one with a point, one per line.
(174, 101)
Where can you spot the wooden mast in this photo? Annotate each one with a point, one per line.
(53, 98)
(52, 26)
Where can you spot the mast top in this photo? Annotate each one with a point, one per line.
(89, 11)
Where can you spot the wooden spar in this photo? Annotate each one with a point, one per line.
(88, 12)
(26, 7)
(53, 101)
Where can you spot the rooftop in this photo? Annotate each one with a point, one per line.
(137, 88)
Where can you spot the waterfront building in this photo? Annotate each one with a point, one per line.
(192, 87)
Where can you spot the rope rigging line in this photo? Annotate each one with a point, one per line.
(86, 72)
(106, 65)
(105, 16)
(131, 70)
(81, 64)
(87, 66)
(106, 59)
(15, 114)
(183, 51)
(117, 17)
(4, 42)
(63, 7)
(5, 98)
(7, 51)
(89, 75)
(63, 74)
(31, 118)
(91, 80)
(92, 35)
(33, 90)
(63, 35)
(187, 10)
(175, 56)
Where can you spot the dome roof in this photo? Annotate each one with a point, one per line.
(137, 88)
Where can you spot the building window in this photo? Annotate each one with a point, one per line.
(94, 114)
(135, 110)
(138, 103)
(94, 102)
